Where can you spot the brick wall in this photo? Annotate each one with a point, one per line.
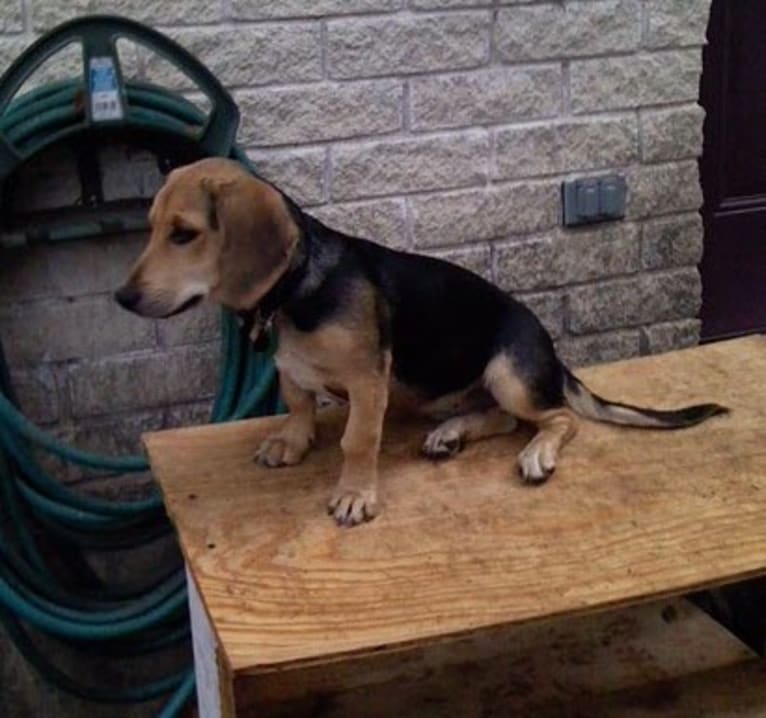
(440, 126)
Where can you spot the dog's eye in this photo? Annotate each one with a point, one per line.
(183, 236)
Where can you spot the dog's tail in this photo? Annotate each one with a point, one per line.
(592, 406)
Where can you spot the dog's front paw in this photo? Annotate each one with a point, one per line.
(350, 507)
(278, 450)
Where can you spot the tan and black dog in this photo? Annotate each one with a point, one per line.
(366, 323)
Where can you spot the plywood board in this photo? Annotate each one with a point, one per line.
(630, 515)
(212, 676)
(515, 672)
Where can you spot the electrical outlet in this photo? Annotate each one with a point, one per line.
(594, 199)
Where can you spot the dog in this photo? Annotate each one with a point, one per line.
(374, 326)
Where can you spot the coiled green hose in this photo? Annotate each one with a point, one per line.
(29, 589)
(182, 683)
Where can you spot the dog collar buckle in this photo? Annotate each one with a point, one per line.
(259, 331)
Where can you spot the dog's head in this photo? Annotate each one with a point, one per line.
(217, 232)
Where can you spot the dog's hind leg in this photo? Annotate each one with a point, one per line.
(516, 393)
(450, 437)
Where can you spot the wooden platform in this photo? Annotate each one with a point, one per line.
(541, 668)
(462, 546)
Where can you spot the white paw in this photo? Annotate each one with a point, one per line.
(442, 443)
(536, 463)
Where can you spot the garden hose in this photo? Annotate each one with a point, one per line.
(110, 620)
(178, 682)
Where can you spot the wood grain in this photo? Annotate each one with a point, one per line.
(630, 515)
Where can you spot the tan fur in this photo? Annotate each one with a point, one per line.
(325, 359)
(295, 438)
(356, 497)
(448, 438)
(251, 213)
(555, 427)
(235, 263)
(344, 359)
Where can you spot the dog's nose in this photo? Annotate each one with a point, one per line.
(127, 297)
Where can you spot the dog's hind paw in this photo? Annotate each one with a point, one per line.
(536, 463)
(442, 443)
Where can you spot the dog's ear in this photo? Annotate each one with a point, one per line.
(259, 237)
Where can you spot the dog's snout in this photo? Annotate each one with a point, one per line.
(128, 297)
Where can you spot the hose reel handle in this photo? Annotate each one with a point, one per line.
(102, 73)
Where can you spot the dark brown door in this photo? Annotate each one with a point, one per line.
(733, 169)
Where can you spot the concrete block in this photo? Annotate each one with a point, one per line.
(564, 147)
(672, 134)
(599, 348)
(407, 165)
(46, 14)
(270, 9)
(663, 189)
(404, 45)
(546, 30)
(643, 299)
(477, 214)
(613, 83)
(255, 55)
(381, 220)
(11, 18)
(568, 257)
(299, 173)
(37, 393)
(185, 374)
(59, 330)
(323, 111)
(488, 96)
(676, 24)
(672, 241)
(669, 336)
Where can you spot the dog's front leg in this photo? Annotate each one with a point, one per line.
(356, 497)
(292, 442)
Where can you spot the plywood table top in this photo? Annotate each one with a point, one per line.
(461, 546)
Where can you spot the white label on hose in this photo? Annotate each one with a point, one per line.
(105, 101)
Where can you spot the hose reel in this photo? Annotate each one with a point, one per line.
(82, 113)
